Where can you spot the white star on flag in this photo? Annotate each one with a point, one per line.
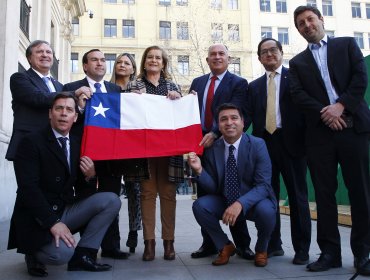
(100, 110)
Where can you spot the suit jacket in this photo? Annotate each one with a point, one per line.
(348, 75)
(254, 169)
(30, 104)
(292, 120)
(77, 128)
(46, 185)
(232, 89)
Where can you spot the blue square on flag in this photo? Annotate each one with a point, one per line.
(103, 110)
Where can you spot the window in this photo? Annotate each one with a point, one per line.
(283, 36)
(234, 65)
(367, 10)
(182, 31)
(311, 3)
(110, 58)
(232, 4)
(165, 2)
(233, 32)
(74, 62)
(266, 32)
(216, 34)
(356, 10)
(110, 28)
(216, 4)
(359, 39)
(368, 36)
(110, 1)
(24, 22)
(327, 7)
(181, 2)
(128, 1)
(281, 6)
(75, 26)
(265, 6)
(128, 28)
(183, 64)
(164, 30)
(330, 33)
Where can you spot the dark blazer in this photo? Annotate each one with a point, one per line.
(292, 120)
(30, 104)
(348, 75)
(232, 89)
(45, 186)
(254, 169)
(77, 128)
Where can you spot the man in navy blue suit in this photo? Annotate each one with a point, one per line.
(285, 143)
(226, 88)
(235, 173)
(94, 65)
(328, 83)
(32, 92)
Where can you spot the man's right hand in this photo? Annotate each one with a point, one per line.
(208, 140)
(195, 163)
(61, 231)
(82, 94)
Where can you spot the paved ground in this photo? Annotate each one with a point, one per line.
(12, 265)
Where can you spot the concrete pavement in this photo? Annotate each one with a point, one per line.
(12, 266)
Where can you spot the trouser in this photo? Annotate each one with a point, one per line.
(158, 184)
(95, 213)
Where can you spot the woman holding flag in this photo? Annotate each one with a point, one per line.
(165, 172)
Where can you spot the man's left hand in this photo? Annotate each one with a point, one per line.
(231, 213)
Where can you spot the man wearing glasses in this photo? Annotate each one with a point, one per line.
(270, 109)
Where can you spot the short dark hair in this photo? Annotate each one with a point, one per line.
(35, 44)
(227, 106)
(278, 44)
(65, 95)
(84, 58)
(301, 9)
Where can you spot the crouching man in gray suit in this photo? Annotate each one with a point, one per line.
(56, 196)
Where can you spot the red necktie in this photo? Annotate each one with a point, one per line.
(208, 117)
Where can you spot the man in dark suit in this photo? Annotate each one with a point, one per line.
(328, 83)
(94, 66)
(226, 88)
(32, 93)
(50, 204)
(275, 119)
(236, 174)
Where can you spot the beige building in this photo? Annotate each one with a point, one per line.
(186, 28)
(22, 21)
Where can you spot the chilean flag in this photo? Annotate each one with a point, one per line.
(131, 125)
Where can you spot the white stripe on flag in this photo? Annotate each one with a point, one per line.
(148, 111)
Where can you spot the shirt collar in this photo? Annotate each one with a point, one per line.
(220, 77)
(41, 75)
(235, 144)
(57, 134)
(278, 71)
(322, 42)
(92, 82)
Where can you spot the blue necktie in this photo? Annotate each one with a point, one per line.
(97, 87)
(63, 142)
(47, 81)
(232, 179)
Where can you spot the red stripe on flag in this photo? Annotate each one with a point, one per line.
(103, 144)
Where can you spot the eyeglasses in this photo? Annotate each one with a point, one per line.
(273, 50)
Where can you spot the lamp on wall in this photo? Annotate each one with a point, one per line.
(90, 13)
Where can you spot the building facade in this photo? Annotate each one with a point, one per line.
(22, 21)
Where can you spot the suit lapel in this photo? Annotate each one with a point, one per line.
(283, 83)
(55, 148)
(219, 152)
(203, 83)
(314, 68)
(36, 79)
(223, 85)
(243, 155)
(263, 92)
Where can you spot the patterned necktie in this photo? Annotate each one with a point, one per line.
(208, 117)
(63, 142)
(97, 87)
(47, 81)
(232, 179)
(271, 104)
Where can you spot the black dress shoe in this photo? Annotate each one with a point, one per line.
(114, 254)
(203, 252)
(362, 266)
(79, 263)
(34, 267)
(245, 253)
(324, 262)
(275, 252)
(301, 258)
